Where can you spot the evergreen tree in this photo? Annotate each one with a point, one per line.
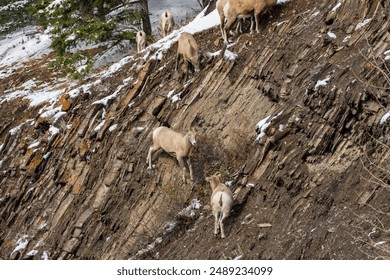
(76, 23)
(14, 15)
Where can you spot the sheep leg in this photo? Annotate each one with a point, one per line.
(181, 163)
(216, 222)
(257, 22)
(221, 224)
(252, 25)
(228, 26)
(190, 167)
(177, 61)
(239, 26)
(221, 26)
(149, 158)
(187, 67)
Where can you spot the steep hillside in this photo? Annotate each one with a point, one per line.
(296, 123)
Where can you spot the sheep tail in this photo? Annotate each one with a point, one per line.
(220, 201)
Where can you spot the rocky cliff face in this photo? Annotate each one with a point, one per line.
(311, 181)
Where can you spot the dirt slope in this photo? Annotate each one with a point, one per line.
(316, 186)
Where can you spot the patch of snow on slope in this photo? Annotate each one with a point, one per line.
(385, 118)
(332, 35)
(360, 25)
(335, 8)
(262, 125)
(21, 244)
(23, 45)
(321, 83)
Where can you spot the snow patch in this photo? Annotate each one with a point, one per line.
(21, 244)
(32, 253)
(149, 247)
(53, 131)
(112, 128)
(19, 46)
(360, 25)
(15, 130)
(230, 55)
(262, 125)
(332, 35)
(335, 8)
(346, 39)
(45, 255)
(169, 226)
(99, 126)
(321, 83)
(189, 210)
(385, 118)
(34, 145)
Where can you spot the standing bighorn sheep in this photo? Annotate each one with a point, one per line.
(173, 143)
(221, 202)
(189, 50)
(235, 8)
(141, 40)
(166, 23)
(222, 11)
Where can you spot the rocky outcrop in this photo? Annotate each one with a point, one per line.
(311, 180)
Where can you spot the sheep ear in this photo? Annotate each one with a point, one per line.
(208, 179)
(218, 175)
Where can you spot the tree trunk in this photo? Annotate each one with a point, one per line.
(211, 6)
(146, 25)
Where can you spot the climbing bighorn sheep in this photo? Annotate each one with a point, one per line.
(235, 8)
(175, 144)
(222, 9)
(189, 50)
(141, 40)
(221, 202)
(166, 23)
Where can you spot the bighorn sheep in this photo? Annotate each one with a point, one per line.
(173, 143)
(221, 202)
(141, 40)
(222, 10)
(235, 8)
(189, 50)
(166, 23)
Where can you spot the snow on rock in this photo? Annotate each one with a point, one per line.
(36, 97)
(34, 145)
(335, 8)
(149, 247)
(227, 55)
(15, 130)
(99, 126)
(23, 45)
(332, 35)
(262, 125)
(360, 25)
(387, 55)
(21, 244)
(321, 83)
(169, 226)
(189, 210)
(112, 128)
(32, 253)
(385, 118)
(45, 256)
(53, 131)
